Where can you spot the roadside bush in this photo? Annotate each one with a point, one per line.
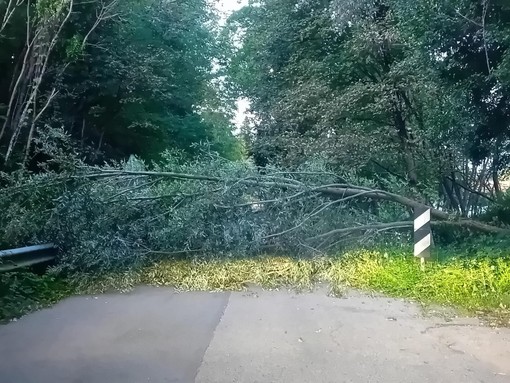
(499, 212)
(22, 292)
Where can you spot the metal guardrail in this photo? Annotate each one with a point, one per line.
(26, 256)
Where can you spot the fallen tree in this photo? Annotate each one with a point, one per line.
(340, 192)
(113, 217)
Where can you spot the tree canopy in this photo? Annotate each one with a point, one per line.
(119, 77)
(412, 90)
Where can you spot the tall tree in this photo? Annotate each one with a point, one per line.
(121, 78)
(383, 88)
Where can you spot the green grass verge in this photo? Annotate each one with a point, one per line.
(479, 285)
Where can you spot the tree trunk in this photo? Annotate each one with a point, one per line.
(405, 142)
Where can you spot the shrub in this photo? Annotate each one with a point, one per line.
(499, 212)
(22, 292)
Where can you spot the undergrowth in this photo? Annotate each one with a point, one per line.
(479, 285)
(24, 292)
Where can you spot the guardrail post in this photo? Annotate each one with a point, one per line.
(422, 234)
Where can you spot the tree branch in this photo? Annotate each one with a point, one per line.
(50, 98)
(405, 224)
(400, 177)
(375, 226)
(9, 12)
(104, 14)
(471, 190)
(314, 214)
(468, 19)
(38, 79)
(333, 190)
(484, 35)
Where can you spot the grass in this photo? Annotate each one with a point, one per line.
(479, 284)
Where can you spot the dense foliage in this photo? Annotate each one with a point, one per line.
(104, 220)
(117, 143)
(119, 77)
(416, 90)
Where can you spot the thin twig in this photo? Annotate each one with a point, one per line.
(147, 184)
(484, 35)
(102, 15)
(314, 214)
(468, 19)
(9, 12)
(471, 190)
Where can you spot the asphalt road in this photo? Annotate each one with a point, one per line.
(159, 335)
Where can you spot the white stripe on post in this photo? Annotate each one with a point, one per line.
(422, 245)
(422, 220)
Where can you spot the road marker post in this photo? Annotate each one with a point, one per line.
(422, 234)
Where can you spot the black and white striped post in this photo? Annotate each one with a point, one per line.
(422, 234)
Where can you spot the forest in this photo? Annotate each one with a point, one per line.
(117, 140)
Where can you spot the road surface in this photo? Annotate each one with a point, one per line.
(159, 335)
